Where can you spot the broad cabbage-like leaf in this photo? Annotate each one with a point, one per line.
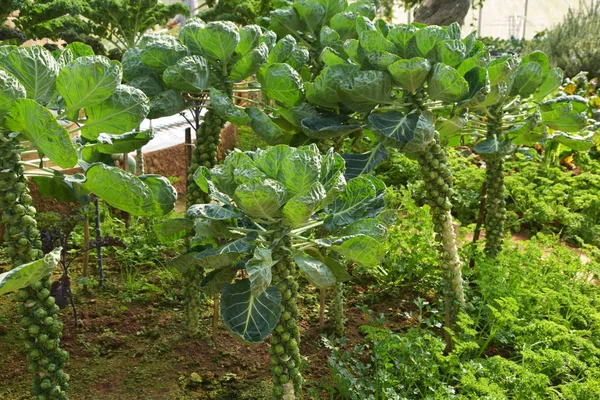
(403, 37)
(358, 164)
(166, 103)
(326, 128)
(353, 204)
(162, 52)
(299, 171)
(224, 108)
(10, 90)
(446, 84)
(210, 211)
(218, 40)
(317, 272)
(552, 82)
(118, 144)
(368, 226)
(252, 318)
(164, 194)
(426, 38)
(302, 206)
(285, 21)
(295, 115)
(411, 132)
(249, 39)
(371, 41)
(479, 86)
(36, 69)
(215, 281)
(87, 82)
(501, 68)
(573, 142)
(38, 125)
(410, 74)
(333, 7)
(449, 52)
(264, 127)
(270, 160)
(261, 198)
(281, 82)
(366, 89)
(311, 12)
(344, 25)
(250, 63)
(191, 74)
(123, 111)
(361, 249)
(259, 270)
(282, 50)
(491, 146)
(223, 256)
(530, 74)
(25, 274)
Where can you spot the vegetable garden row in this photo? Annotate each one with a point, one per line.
(333, 91)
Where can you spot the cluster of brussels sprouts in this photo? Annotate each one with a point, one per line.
(193, 300)
(41, 332)
(204, 154)
(495, 206)
(21, 237)
(285, 339)
(337, 311)
(40, 329)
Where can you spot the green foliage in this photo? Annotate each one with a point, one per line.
(242, 12)
(529, 331)
(94, 21)
(568, 43)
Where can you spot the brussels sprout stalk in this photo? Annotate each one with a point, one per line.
(40, 328)
(495, 206)
(338, 309)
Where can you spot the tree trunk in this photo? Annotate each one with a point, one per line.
(442, 12)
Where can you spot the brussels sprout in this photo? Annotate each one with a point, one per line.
(279, 349)
(40, 313)
(43, 294)
(46, 384)
(48, 321)
(34, 330)
(34, 354)
(23, 294)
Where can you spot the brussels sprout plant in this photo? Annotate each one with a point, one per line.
(265, 225)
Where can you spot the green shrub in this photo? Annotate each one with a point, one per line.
(573, 44)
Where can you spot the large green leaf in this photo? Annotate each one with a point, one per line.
(366, 8)
(189, 35)
(448, 128)
(299, 59)
(368, 226)
(36, 69)
(344, 25)
(210, 211)
(150, 83)
(426, 38)
(371, 41)
(249, 39)
(550, 84)
(162, 52)
(184, 263)
(164, 195)
(311, 12)
(493, 146)
(285, 21)
(358, 164)
(302, 206)
(167, 103)
(333, 7)
(65, 188)
(214, 282)
(223, 256)
(224, 108)
(410, 74)
(295, 115)
(299, 171)
(118, 144)
(361, 249)
(411, 132)
(281, 82)
(479, 86)
(530, 75)
(218, 40)
(318, 273)
(258, 269)
(123, 111)
(270, 160)
(338, 269)
(402, 36)
(10, 90)
(261, 198)
(352, 205)
(382, 60)
(120, 189)
(25, 274)
(326, 128)
(250, 63)
(566, 113)
(573, 142)
(449, 52)
(40, 127)
(446, 84)
(501, 68)
(191, 74)
(172, 229)
(332, 174)
(252, 318)
(366, 89)
(88, 81)
(264, 127)
(282, 50)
